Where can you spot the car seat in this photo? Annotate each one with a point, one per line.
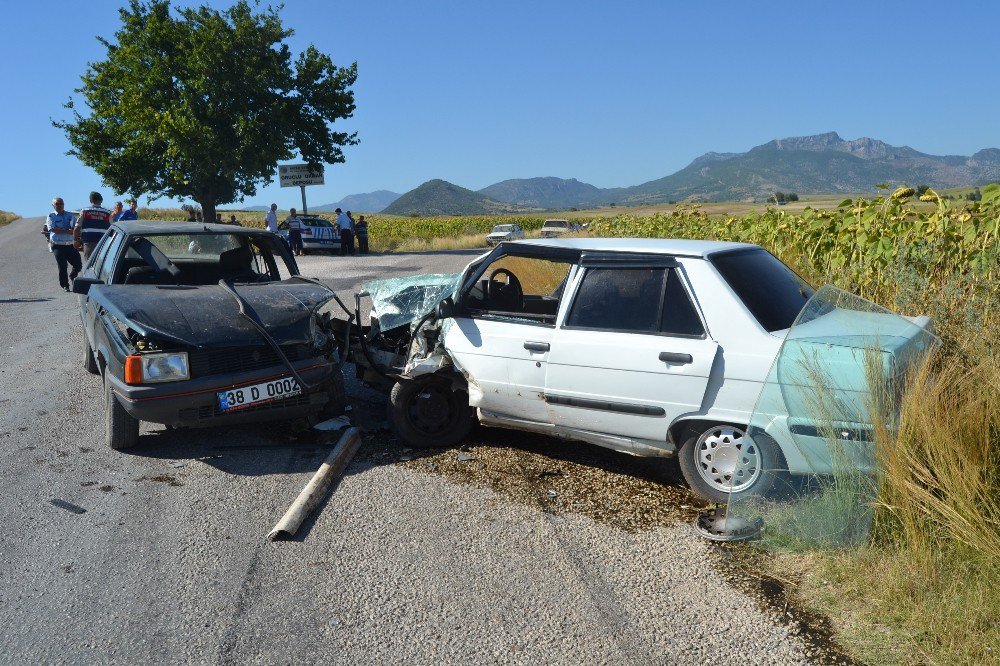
(235, 265)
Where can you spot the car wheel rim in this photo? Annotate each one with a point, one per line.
(728, 460)
(431, 411)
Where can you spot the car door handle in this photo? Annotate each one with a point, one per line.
(536, 346)
(674, 357)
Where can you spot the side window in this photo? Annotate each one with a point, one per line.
(679, 315)
(619, 299)
(101, 250)
(527, 288)
(106, 262)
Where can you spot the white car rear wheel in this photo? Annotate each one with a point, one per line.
(720, 461)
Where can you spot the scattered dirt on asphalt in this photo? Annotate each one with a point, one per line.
(557, 477)
(743, 566)
(162, 478)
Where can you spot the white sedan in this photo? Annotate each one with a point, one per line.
(504, 232)
(650, 347)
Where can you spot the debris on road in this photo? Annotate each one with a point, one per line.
(177, 464)
(315, 490)
(63, 504)
(464, 457)
(334, 424)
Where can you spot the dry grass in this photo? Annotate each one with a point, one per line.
(463, 242)
(7, 218)
(924, 589)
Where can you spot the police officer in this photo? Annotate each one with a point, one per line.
(61, 226)
(94, 221)
(294, 223)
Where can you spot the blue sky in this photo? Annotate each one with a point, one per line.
(610, 93)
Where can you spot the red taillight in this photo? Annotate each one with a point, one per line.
(133, 369)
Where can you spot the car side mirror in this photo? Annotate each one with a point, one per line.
(82, 285)
(445, 309)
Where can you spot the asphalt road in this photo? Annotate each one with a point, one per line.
(533, 551)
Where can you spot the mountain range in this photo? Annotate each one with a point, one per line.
(818, 164)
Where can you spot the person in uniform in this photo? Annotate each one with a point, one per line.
(294, 223)
(60, 226)
(93, 221)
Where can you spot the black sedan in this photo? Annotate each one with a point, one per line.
(205, 325)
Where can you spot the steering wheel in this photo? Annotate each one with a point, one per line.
(512, 282)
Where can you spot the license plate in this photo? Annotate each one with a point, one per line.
(247, 396)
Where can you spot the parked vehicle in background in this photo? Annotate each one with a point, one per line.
(318, 233)
(204, 325)
(652, 347)
(504, 232)
(556, 228)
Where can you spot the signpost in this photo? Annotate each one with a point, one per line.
(300, 175)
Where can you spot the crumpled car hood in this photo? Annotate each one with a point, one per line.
(209, 316)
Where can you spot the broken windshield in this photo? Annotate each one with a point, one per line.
(399, 301)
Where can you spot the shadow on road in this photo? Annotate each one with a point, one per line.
(245, 451)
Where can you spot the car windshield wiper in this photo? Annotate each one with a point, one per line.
(244, 306)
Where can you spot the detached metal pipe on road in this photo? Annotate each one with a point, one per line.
(332, 468)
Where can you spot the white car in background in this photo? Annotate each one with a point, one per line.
(556, 228)
(318, 233)
(504, 232)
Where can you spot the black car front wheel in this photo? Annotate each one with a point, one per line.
(89, 363)
(428, 413)
(122, 428)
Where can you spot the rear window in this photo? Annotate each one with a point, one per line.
(557, 224)
(772, 292)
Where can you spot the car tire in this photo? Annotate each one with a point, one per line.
(336, 397)
(429, 413)
(754, 463)
(122, 428)
(89, 362)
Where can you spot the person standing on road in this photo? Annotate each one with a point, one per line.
(93, 222)
(117, 211)
(346, 225)
(361, 231)
(61, 226)
(131, 213)
(294, 223)
(271, 219)
(233, 221)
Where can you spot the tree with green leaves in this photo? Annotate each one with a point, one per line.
(202, 104)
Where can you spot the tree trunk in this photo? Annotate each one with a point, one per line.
(207, 203)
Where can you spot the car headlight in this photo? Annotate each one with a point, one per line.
(154, 368)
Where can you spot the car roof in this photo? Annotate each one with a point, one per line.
(168, 227)
(671, 246)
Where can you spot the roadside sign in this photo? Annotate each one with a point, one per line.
(299, 175)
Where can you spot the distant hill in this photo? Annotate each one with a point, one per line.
(372, 202)
(818, 164)
(439, 197)
(552, 193)
(823, 163)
